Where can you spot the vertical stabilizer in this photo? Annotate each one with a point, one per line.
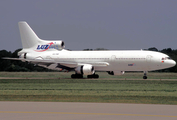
(31, 41)
(28, 37)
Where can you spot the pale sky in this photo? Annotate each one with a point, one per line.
(82, 24)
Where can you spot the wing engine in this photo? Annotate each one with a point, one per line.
(85, 69)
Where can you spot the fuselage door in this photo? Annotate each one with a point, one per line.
(113, 58)
(113, 61)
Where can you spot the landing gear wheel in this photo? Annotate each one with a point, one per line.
(96, 76)
(76, 76)
(93, 76)
(144, 77)
(73, 76)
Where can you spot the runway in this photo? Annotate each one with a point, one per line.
(86, 111)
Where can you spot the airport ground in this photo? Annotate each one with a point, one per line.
(85, 111)
(159, 88)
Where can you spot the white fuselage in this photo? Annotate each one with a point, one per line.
(51, 54)
(133, 60)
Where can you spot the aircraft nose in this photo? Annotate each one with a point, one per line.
(171, 63)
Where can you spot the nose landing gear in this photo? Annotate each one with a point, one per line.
(145, 75)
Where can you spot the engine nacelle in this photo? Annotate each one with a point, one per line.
(28, 56)
(116, 72)
(85, 70)
(23, 55)
(57, 45)
(49, 45)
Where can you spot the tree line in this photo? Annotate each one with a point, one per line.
(16, 65)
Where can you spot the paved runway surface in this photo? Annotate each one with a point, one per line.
(85, 111)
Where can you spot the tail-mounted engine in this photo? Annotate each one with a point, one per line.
(28, 56)
(49, 45)
(57, 45)
(23, 55)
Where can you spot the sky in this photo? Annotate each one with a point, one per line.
(91, 24)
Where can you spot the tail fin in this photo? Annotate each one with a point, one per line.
(31, 41)
(28, 36)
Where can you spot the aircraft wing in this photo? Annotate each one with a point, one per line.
(63, 64)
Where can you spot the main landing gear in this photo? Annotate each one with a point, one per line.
(76, 76)
(145, 75)
(81, 76)
(93, 76)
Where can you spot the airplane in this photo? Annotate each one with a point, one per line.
(52, 54)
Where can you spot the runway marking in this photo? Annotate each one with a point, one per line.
(87, 113)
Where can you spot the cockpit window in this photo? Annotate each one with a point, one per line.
(169, 58)
(166, 58)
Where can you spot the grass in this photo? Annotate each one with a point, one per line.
(56, 86)
(103, 75)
